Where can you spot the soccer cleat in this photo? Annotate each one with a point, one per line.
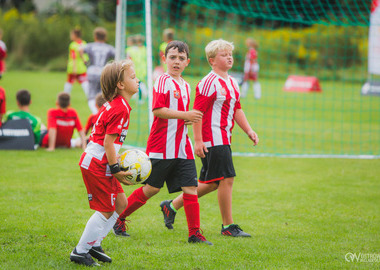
(119, 228)
(199, 238)
(235, 231)
(169, 213)
(98, 253)
(82, 258)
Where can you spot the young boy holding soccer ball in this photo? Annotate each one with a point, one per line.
(99, 165)
(169, 146)
(218, 98)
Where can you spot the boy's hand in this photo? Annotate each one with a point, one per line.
(193, 116)
(200, 149)
(120, 176)
(253, 136)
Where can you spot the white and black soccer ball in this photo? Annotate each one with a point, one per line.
(138, 163)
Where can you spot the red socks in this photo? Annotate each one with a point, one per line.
(191, 205)
(135, 201)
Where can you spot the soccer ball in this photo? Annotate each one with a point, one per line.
(138, 163)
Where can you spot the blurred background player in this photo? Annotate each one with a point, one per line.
(23, 98)
(136, 51)
(169, 146)
(3, 54)
(218, 98)
(61, 124)
(2, 104)
(251, 70)
(76, 65)
(167, 36)
(99, 101)
(99, 165)
(99, 53)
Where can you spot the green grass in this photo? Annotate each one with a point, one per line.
(338, 121)
(302, 213)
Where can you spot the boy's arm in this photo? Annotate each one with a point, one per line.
(199, 147)
(192, 116)
(52, 139)
(83, 139)
(243, 123)
(109, 140)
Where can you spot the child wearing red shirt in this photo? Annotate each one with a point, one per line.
(61, 124)
(169, 146)
(99, 165)
(218, 98)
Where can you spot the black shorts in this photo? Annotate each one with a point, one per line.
(217, 164)
(176, 173)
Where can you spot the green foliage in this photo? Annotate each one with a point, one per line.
(36, 42)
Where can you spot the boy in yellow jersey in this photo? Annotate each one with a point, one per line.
(76, 65)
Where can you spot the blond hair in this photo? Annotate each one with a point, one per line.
(217, 45)
(112, 74)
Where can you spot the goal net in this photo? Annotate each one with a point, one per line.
(312, 58)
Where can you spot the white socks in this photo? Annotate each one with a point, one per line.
(86, 87)
(92, 106)
(67, 88)
(257, 90)
(92, 232)
(244, 89)
(109, 225)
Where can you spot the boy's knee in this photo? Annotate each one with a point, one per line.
(150, 191)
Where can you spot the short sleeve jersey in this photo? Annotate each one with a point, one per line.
(65, 122)
(168, 138)
(218, 99)
(34, 121)
(75, 58)
(99, 54)
(90, 123)
(112, 118)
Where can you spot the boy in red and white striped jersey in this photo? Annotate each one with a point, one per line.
(218, 98)
(169, 146)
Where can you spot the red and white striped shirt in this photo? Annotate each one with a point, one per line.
(218, 99)
(168, 138)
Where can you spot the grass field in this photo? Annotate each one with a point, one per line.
(302, 213)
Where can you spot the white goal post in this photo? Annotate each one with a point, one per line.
(120, 44)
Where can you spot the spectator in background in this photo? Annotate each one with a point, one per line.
(167, 36)
(137, 53)
(2, 103)
(76, 65)
(23, 98)
(99, 101)
(61, 124)
(99, 53)
(3, 54)
(251, 69)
